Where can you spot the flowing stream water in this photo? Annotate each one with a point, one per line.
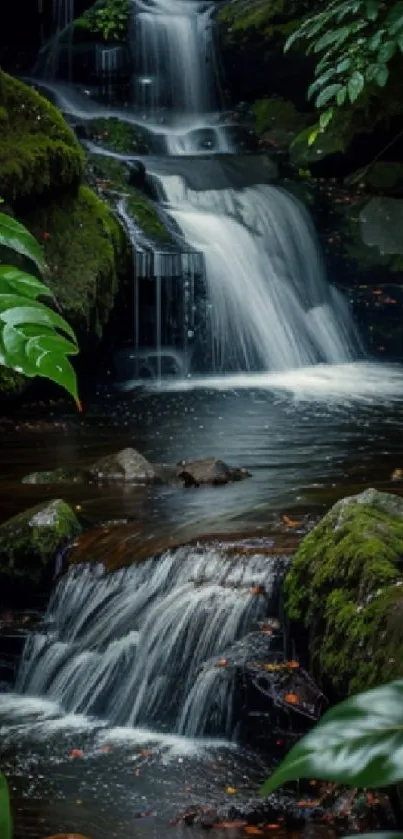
(119, 710)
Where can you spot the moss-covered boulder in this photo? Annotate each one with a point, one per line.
(277, 120)
(346, 586)
(384, 177)
(39, 153)
(118, 135)
(29, 543)
(86, 251)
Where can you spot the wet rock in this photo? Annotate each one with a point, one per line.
(57, 476)
(210, 470)
(381, 223)
(30, 541)
(346, 586)
(127, 466)
(137, 173)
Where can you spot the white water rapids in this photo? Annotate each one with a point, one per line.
(129, 648)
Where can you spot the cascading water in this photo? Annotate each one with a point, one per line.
(269, 304)
(130, 647)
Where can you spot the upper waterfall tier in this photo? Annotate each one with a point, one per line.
(175, 56)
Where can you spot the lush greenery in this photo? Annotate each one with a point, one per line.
(34, 339)
(358, 43)
(39, 153)
(108, 18)
(358, 743)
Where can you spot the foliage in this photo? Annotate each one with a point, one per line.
(34, 339)
(277, 112)
(358, 743)
(6, 825)
(358, 43)
(109, 19)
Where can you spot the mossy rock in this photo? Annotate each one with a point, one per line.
(346, 586)
(86, 251)
(29, 542)
(39, 153)
(384, 177)
(277, 114)
(118, 136)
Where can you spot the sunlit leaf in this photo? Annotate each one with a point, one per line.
(358, 743)
(15, 236)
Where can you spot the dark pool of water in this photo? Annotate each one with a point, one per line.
(303, 455)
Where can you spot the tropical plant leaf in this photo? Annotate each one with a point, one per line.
(15, 236)
(357, 743)
(19, 310)
(355, 85)
(13, 280)
(6, 824)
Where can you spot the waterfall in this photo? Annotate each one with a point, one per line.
(130, 647)
(172, 40)
(270, 304)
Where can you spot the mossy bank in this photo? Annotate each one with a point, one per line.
(346, 587)
(39, 153)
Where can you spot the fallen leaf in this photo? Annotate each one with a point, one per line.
(76, 753)
(292, 698)
(231, 790)
(290, 522)
(254, 831)
(222, 662)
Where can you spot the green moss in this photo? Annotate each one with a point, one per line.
(109, 169)
(86, 250)
(145, 215)
(344, 585)
(39, 153)
(277, 113)
(30, 540)
(118, 136)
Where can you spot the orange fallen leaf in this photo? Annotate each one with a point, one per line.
(290, 522)
(273, 826)
(231, 825)
(222, 662)
(315, 803)
(293, 664)
(254, 831)
(231, 790)
(292, 698)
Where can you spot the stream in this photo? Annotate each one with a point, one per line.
(124, 715)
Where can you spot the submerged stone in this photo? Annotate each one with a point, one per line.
(128, 466)
(57, 476)
(346, 586)
(30, 540)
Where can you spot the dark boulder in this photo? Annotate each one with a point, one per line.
(126, 466)
(210, 470)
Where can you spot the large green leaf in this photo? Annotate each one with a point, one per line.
(13, 280)
(19, 310)
(357, 743)
(15, 236)
(6, 824)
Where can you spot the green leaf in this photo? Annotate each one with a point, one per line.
(18, 310)
(59, 370)
(327, 94)
(341, 96)
(13, 280)
(343, 65)
(400, 42)
(375, 41)
(6, 824)
(381, 75)
(371, 9)
(15, 236)
(358, 743)
(313, 136)
(355, 85)
(386, 51)
(326, 118)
